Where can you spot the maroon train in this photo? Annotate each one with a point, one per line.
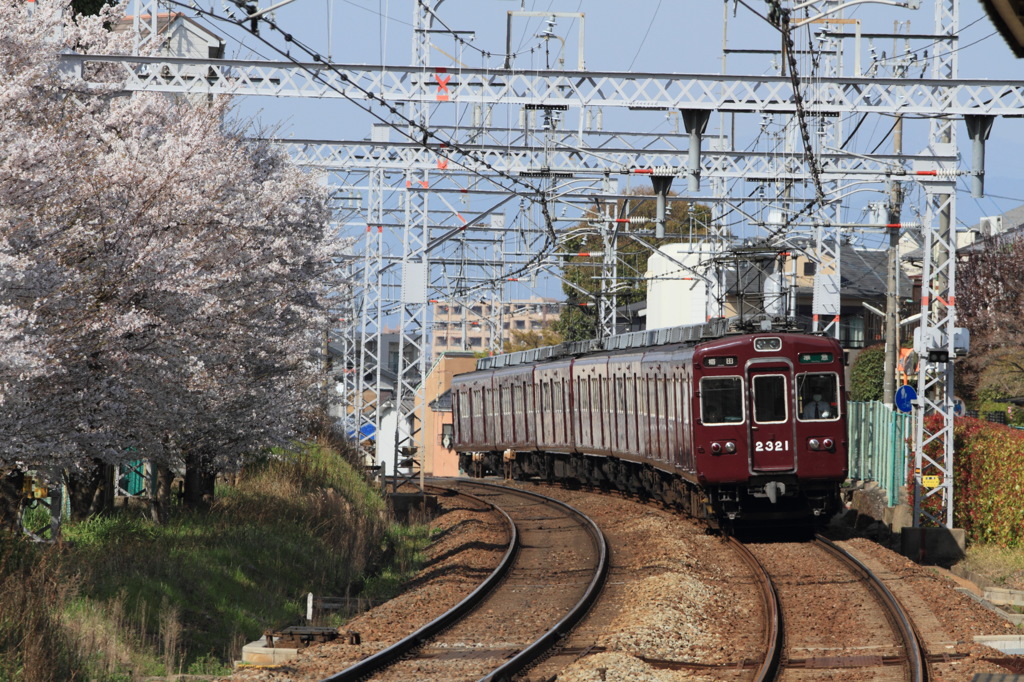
(741, 429)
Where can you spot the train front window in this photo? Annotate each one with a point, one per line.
(721, 400)
(770, 398)
(818, 396)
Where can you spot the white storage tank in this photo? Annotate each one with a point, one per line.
(677, 289)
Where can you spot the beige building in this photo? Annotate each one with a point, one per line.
(472, 326)
(181, 36)
(439, 459)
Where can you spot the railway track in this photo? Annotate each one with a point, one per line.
(824, 614)
(819, 622)
(551, 573)
(674, 600)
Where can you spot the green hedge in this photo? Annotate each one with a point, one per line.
(867, 375)
(988, 483)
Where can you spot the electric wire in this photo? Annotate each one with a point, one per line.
(529, 191)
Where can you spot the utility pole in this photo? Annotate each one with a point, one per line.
(892, 281)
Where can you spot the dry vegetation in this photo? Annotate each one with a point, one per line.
(121, 598)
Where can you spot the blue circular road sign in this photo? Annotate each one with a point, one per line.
(905, 395)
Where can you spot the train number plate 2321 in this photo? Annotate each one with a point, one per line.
(771, 446)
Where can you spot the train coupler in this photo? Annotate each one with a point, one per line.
(773, 490)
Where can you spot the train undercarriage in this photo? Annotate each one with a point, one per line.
(766, 500)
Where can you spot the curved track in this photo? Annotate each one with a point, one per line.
(917, 668)
(831, 630)
(773, 633)
(550, 575)
(381, 660)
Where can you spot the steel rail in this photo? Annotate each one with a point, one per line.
(918, 668)
(773, 640)
(547, 641)
(386, 657)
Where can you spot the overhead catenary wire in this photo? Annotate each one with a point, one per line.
(519, 187)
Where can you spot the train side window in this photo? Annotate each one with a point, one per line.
(516, 393)
(770, 398)
(721, 400)
(817, 396)
(476, 399)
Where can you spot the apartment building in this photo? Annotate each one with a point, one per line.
(472, 326)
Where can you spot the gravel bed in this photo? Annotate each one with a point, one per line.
(670, 597)
(828, 613)
(947, 620)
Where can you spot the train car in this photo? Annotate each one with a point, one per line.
(746, 428)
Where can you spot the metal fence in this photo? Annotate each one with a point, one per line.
(878, 445)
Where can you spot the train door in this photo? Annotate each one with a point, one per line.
(772, 443)
(644, 413)
(632, 427)
(616, 407)
(477, 416)
(563, 395)
(597, 414)
(671, 383)
(686, 444)
(660, 420)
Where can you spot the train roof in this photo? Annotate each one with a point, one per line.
(641, 339)
(691, 335)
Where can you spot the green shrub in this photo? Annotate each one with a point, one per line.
(988, 480)
(868, 374)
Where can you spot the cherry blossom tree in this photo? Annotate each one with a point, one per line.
(990, 302)
(162, 279)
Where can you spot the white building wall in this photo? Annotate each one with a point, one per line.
(386, 439)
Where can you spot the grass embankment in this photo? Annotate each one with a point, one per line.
(1002, 565)
(123, 598)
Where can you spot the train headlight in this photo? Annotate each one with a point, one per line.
(730, 447)
(814, 444)
(716, 448)
(827, 444)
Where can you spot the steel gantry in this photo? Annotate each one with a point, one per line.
(794, 190)
(936, 342)
(575, 90)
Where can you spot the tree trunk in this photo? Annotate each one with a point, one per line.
(92, 492)
(160, 496)
(200, 477)
(11, 500)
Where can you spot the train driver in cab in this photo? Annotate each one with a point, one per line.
(817, 408)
